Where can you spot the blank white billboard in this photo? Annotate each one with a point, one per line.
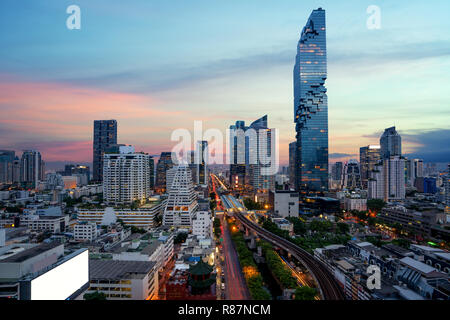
(62, 281)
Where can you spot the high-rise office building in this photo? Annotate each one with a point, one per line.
(16, 170)
(390, 143)
(126, 177)
(292, 153)
(311, 106)
(368, 157)
(201, 163)
(6, 166)
(352, 176)
(238, 155)
(164, 163)
(32, 168)
(251, 155)
(182, 202)
(336, 171)
(260, 146)
(105, 135)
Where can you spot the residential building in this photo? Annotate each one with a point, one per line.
(126, 177)
(311, 106)
(85, 231)
(142, 217)
(202, 224)
(387, 180)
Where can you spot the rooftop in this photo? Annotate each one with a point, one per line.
(30, 253)
(417, 265)
(113, 269)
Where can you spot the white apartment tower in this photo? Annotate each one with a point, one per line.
(182, 203)
(126, 177)
(387, 180)
(201, 225)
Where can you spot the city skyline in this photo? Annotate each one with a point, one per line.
(52, 94)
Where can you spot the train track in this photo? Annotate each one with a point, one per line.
(328, 287)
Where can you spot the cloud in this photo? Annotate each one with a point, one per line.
(432, 145)
(340, 155)
(167, 77)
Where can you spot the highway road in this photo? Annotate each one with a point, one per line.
(235, 285)
(328, 286)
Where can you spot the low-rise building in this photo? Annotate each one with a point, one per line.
(85, 231)
(42, 272)
(358, 204)
(142, 217)
(417, 221)
(201, 224)
(124, 280)
(284, 203)
(284, 224)
(44, 223)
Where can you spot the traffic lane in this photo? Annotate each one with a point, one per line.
(235, 282)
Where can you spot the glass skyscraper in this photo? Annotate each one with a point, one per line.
(311, 106)
(105, 135)
(391, 143)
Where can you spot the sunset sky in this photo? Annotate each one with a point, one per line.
(156, 66)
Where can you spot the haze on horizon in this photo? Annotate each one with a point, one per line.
(158, 66)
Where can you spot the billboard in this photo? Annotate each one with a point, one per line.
(64, 280)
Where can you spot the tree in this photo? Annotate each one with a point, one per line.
(343, 228)
(299, 226)
(320, 226)
(404, 243)
(137, 230)
(180, 238)
(305, 293)
(120, 221)
(375, 205)
(252, 205)
(94, 296)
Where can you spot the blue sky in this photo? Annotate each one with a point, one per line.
(160, 65)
